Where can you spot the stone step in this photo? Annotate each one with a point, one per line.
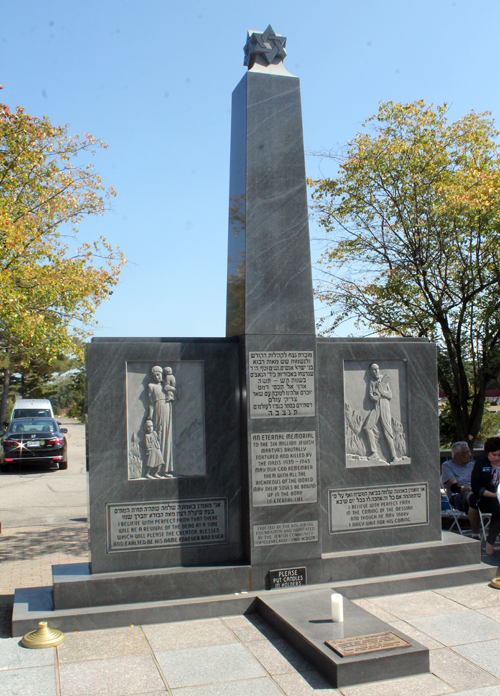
(36, 604)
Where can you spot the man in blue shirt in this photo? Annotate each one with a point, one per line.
(455, 477)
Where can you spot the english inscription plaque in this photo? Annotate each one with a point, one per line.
(377, 507)
(164, 523)
(360, 645)
(281, 384)
(287, 577)
(284, 468)
(285, 533)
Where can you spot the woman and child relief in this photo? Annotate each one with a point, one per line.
(158, 440)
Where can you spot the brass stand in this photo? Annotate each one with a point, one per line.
(495, 583)
(43, 637)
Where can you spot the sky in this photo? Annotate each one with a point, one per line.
(153, 80)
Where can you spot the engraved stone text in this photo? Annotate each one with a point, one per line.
(378, 507)
(284, 468)
(281, 384)
(161, 523)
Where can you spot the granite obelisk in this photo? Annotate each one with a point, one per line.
(270, 307)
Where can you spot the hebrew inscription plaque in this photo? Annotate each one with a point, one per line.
(377, 507)
(281, 384)
(285, 533)
(164, 523)
(284, 468)
(373, 642)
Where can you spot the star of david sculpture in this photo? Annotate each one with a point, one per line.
(265, 48)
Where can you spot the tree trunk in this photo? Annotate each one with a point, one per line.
(5, 396)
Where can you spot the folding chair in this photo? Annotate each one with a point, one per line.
(485, 518)
(447, 510)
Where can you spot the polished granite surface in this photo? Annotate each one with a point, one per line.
(242, 655)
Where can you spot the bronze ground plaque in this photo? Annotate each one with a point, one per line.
(365, 644)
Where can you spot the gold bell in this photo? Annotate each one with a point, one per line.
(495, 583)
(43, 637)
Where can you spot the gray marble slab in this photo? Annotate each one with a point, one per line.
(484, 654)
(463, 628)
(281, 532)
(409, 369)
(13, 655)
(307, 624)
(258, 686)
(206, 449)
(117, 676)
(80, 588)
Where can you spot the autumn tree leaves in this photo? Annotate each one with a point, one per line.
(50, 285)
(414, 219)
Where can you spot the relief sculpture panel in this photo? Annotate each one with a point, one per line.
(165, 419)
(376, 413)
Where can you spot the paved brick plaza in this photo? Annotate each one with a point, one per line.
(232, 656)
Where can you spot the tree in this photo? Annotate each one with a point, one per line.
(414, 212)
(50, 288)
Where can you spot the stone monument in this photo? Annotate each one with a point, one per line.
(269, 458)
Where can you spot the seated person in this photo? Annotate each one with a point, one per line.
(485, 482)
(455, 477)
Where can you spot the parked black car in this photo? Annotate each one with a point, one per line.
(34, 440)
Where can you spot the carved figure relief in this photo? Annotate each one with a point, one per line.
(165, 421)
(375, 408)
(161, 398)
(154, 460)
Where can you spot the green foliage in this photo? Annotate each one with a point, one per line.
(447, 430)
(38, 380)
(49, 291)
(78, 396)
(414, 213)
(490, 424)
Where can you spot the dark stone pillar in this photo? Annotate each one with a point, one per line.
(269, 260)
(270, 307)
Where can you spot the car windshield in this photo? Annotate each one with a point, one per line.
(33, 426)
(31, 413)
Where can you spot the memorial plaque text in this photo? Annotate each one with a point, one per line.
(284, 468)
(285, 533)
(376, 507)
(281, 384)
(369, 643)
(160, 523)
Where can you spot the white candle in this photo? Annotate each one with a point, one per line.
(337, 608)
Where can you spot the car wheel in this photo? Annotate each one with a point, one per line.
(63, 465)
(4, 468)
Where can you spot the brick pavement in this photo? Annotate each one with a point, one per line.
(27, 555)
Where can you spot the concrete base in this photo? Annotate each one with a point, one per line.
(80, 601)
(75, 587)
(301, 616)
(32, 605)
(305, 624)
